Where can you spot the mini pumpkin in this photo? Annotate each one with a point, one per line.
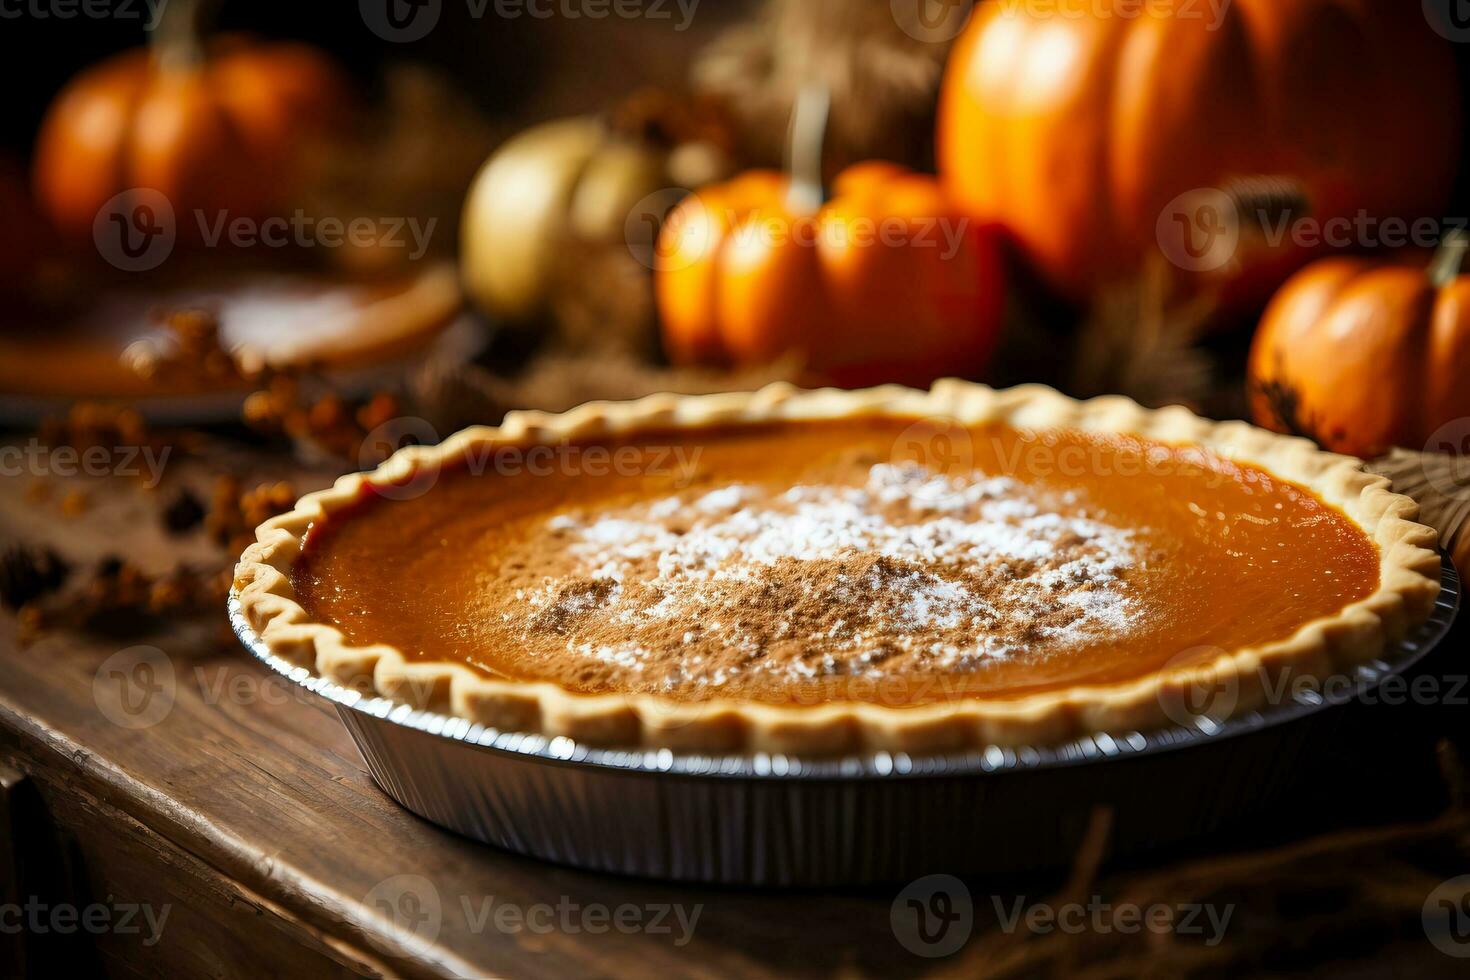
(1363, 355)
(886, 281)
(217, 128)
(1079, 129)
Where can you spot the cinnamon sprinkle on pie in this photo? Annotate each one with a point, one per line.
(909, 571)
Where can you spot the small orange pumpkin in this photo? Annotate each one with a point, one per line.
(213, 131)
(1364, 355)
(886, 281)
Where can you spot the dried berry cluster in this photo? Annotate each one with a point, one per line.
(93, 426)
(183, 513)
(193, 352)
(119, 587)
(304, 410)
(27, 574)
(90, 424)
(295, 402)
(118, 595)
(120, 598)
(235, 512)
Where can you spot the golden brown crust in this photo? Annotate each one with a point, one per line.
(1409, 584)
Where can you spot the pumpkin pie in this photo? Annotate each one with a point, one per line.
(825, 572)
(336, 323)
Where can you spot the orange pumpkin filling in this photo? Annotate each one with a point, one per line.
(871, 559)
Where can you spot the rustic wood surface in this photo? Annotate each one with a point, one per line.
(254, 811)
(209, 786)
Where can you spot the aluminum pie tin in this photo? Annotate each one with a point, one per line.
(776, 820)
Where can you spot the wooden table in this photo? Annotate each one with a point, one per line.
(182, 778)
(215, 788)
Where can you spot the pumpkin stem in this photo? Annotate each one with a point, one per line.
(1266, 204)
(804, 149)
(1450, 258)
(649, 115)
(175, 42)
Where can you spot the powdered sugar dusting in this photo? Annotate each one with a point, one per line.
(909, 571)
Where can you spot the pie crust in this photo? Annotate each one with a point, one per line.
(1408, 586)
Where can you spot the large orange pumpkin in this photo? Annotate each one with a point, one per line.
(215, 131)
(884, 282)
(1078, 125)
(1365, 355)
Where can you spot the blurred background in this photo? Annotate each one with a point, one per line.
(311, 222)
(523, 68)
